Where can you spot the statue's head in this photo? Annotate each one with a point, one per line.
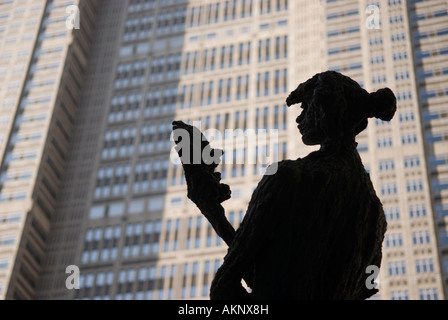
(336, 108)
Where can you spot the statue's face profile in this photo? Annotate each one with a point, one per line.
(309, 121)
(312, 134)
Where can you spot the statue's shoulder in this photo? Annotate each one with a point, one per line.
(287, 169)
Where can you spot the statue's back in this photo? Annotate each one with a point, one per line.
(331, 229)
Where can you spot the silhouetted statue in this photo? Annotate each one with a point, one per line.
(312, 228)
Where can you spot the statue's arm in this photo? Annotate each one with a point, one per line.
(204, 185)
(268, 206)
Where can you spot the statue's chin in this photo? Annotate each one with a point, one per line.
(311, 137)
(310, 141)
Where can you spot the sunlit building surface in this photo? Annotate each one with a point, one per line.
(42, 66)
(87, 178)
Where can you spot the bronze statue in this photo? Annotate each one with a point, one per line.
(312, 228)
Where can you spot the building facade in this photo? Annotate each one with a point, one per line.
(42, 65)
(120, 211)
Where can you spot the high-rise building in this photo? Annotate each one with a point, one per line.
(398, 43)
(42, 64)
(102, 177)
(429, 21)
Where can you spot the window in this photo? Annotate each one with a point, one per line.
(417, 211)
(136, 206)
(410, 138)
(392, 213)
(10, 217)
(387, 165)
(156, 204)
(97, 212)
(434, 137)
(7, 240)
(428, 294)
(412, 162)
(424, 265)
(445, 265)
(4, 263)
(402, 55)
(396, 268)
(443, 237)
(442, 210)
(388, 188)
(116, 209)
(384, 142)
(399, 295)
(394, 240)
(363, 147)
(176, 202)
(439, 185)
(414, 185)
(420, 237)
(404, 95)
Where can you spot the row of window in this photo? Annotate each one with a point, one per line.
(15, 176)
(343, 31)
(420, 55)
(399, 267)
(438, 160)
(222, 57)
(165, 68)
(430, 34)
(390, 188)
(389, 164)
(119, 142)
(424, 294)
(130, 74)
(12, 217)
(150, 283)
(154, 175)
(344, 50)
(143, 27)
(429, 15)
(347, 67)
(214, 92)
(12, 196)
(434, 137)
(426, 94)
(390, 2)
(118, 209)
(387, 141)
(415, 211)
(175, 20)
(342, 14)
(231, 10)
(418, 238)
(424, 73)
(160, 101)
(438, 185)
(151, 238)
(224, 90)
(112, 181)
(7, 240)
